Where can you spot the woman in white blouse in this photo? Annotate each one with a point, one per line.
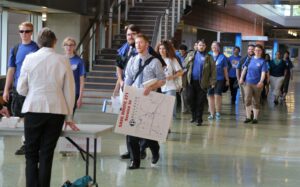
(172, 71)
(47, 81)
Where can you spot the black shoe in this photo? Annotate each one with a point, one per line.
(276, 102)
(143, 154)
(20, 151)
(155, 158)
(134, 165)
(193, 120)
(254, 121)
(199, 123)
(247, 120)
(125, 156)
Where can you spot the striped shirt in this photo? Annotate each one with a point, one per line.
(151, 71)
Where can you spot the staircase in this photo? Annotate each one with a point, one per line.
(100, 81)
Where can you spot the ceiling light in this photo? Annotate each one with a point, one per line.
(44, 16)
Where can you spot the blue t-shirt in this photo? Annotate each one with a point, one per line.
(255, 68)
(77, 65)
(277, 70)
(221, 63)
(16, 62)
(198, 66)
(234, 60)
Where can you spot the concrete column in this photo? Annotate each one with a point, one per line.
(4, 33)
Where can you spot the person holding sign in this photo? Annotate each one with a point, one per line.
(142, 68)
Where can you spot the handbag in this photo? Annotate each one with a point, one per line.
(85, 181)
(177, 80)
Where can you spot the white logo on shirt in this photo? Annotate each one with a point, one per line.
(74, 67)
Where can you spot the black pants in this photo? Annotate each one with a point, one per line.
(41, 133)
(197, 98)
(134, 147)
(17, 103)
(233, 88)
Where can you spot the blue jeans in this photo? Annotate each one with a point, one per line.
(173, 93)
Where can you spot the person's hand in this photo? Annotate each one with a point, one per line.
(147, 91)
(72, 125)
(171, 77)
(227, 82)
(260, 85)
(79, 102)
(4, 112)
(241, 81)
(6, 96)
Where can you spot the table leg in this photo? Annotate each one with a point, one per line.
(87, 156)
(95, 161)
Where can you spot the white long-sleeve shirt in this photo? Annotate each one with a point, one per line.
(47, 81)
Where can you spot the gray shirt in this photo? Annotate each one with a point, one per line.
(153, 70)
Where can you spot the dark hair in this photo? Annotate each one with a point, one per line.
(46, 38)
(133, 28)
(259, 46)
(202, 41)
(183, 47)
(169, 48)
(251, 45)
(237, 47)
(143, 36)
(287, 52)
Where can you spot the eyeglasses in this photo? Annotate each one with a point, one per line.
(69, 45)
(25, 31)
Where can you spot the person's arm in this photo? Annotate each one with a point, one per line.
(241, 80)
(260, 84)
(79, 101)
(8, 83)
(120, 76)
(69, 90)
(226, 75)
(154, 87)
(22, 87)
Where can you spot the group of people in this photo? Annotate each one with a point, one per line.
(203, 76)
(43, 88)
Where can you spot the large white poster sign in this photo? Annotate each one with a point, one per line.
(145, 116)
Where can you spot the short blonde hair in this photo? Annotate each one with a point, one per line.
(26, 24)
(70, 39)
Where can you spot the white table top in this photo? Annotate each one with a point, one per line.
(86, 130)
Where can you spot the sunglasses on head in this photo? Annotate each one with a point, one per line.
(25, 31)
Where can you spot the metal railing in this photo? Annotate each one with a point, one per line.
(159, 27)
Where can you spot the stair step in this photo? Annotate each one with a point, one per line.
(102, 73)
(144, 17)
(105, 62)
(149, 13)
(148, 8)
(100, 91)
(99, 86)
(108, 50)
(101, 80)
(104, 68)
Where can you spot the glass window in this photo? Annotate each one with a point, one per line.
(284, 10)
(296, 10)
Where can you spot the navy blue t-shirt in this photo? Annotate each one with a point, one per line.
(255, 68)
(277, 70)
(77, 65)
(16, 62)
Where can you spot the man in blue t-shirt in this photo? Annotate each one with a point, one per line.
(233, 83)
(16, 57)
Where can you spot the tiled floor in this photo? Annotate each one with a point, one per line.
(227, 153)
